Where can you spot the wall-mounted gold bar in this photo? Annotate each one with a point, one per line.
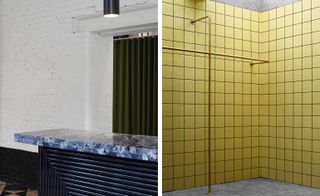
(198, 19)
(252, 62)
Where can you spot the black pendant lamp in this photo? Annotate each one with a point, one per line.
(111, 8)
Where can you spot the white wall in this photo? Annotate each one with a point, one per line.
(99, 82)
(49, 76)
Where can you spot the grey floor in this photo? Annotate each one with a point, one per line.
(254, 187)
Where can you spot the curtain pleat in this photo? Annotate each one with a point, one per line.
(116, 92)
(155, 86)
(135, 86)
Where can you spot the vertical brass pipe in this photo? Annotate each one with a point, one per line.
(209, 101)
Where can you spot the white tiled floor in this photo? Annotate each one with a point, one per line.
(254, 187)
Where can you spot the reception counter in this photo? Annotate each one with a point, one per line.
(78, 162)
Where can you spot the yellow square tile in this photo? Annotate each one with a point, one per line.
(178, 159)
(316, 25)
(315, 4)
(167, 185)
(167, 172)
(315, 13)
(229, 21)
(178, 183)
(238, 12)
(297, 7)
(189, 158)
(316, 181)
(307, 15)
(189, 182)
(178, 11)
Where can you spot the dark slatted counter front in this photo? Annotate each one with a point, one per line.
(90, 163)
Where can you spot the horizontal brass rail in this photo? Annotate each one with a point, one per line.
(256, 61)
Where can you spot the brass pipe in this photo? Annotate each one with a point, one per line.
(258, 61)
(209, 101)
(198, 19)
(209, 108)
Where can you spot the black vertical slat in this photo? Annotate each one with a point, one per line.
(46, 192)
(51, 185)
(72, 173)
(40, 168)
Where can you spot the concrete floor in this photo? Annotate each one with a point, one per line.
(254, 187)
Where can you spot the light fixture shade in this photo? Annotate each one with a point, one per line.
(111, 8)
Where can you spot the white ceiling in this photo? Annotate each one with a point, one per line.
(257, 5)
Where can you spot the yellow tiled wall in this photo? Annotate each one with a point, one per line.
(235, 95)
(290, 93)
(265, 119)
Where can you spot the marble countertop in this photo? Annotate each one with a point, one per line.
(136, 147)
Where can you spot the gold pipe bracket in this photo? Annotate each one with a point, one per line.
(259, 63)
(198, 19)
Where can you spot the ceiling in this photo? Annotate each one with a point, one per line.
(257, 5)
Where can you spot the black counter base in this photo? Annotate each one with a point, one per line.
(19, 168)
(73, 173)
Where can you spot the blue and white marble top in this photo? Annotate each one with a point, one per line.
(136, 147)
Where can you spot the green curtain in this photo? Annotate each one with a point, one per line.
(135, 86)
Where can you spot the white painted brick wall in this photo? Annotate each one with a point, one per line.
(46, 71)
